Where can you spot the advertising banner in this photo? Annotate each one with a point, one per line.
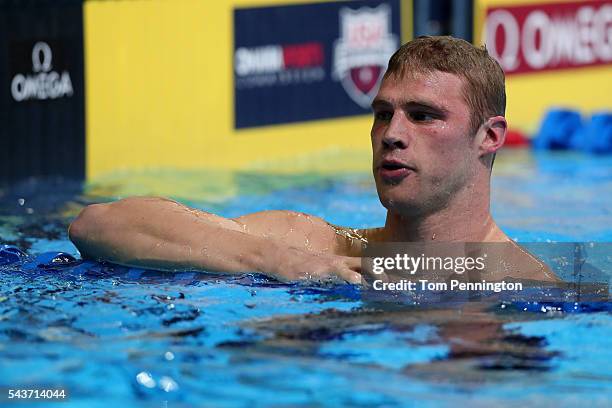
(314, 61)
(41, 90)
(550, 36)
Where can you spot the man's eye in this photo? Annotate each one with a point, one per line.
(421, 116)
(383, 115)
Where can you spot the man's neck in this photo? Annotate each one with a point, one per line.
(466, 219)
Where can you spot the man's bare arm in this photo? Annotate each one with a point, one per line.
(163, 234)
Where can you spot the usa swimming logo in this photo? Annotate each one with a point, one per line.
(363, 50)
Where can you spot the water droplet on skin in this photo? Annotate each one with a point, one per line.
(350, 233)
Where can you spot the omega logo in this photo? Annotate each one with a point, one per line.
(42, 83)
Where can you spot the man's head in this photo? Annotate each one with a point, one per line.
(438, 116)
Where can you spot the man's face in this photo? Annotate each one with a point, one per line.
(423, 152)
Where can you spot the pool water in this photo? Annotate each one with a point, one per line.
(133, 337)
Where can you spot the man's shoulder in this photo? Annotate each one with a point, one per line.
(519, 263)
(306, 231)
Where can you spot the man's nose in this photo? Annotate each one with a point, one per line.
(396, 136)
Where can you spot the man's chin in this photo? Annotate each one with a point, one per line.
(400, 204)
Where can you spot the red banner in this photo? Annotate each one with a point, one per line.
(542, 37)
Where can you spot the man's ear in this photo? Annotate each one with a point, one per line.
(493, 135)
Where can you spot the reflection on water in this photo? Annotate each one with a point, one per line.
(160, 336)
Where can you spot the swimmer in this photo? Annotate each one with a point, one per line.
(438, 122)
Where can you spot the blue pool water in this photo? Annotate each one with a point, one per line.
(130, 337)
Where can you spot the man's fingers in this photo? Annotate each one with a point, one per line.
(323, 267)
(351, 272)
(353, 263)
(367, 271)
(350, 276)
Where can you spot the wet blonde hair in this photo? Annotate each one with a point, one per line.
(484, 81)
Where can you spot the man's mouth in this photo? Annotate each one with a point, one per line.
(394, 170)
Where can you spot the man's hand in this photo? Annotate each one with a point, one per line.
(297, 264)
